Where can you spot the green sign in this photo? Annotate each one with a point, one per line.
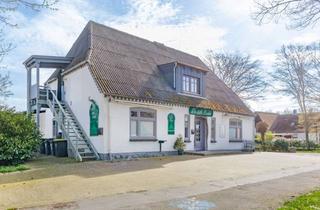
(200, 111)
(94, 119)
(171, 119)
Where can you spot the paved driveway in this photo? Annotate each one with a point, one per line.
(138, 183)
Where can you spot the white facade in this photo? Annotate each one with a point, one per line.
(114, 119)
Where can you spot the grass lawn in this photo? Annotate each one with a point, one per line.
(8, 169)
(307, 201)
(309, 151)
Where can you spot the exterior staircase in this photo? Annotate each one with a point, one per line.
(79, 144)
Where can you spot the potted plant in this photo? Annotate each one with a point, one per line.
(179, 145)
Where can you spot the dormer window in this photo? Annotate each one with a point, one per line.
(190, 84)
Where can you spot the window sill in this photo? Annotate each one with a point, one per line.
(143, 140)
(187, 141)
(235, 141)
(213, 141)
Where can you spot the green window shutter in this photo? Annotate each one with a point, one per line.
(171, 121)
(94, 119)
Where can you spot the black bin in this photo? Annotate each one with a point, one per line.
(60, 148)
(48, 146)
(43, 146)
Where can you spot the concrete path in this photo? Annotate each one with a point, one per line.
(261, 195)
(156, 181)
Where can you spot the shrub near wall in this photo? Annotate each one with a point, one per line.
(19, 137)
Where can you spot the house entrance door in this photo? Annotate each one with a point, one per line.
(199, 134)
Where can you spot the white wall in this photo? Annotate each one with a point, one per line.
(120, 128)
(222, 131)
(79, 87)
(114, 118)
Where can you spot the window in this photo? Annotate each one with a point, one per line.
(190, 84)
(235, 130)
(142, 124)
(186, 127)
(213, 129)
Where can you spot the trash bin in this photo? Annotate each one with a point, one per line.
(60, 148)
(43, 146)
(52, 146)
(47, 147)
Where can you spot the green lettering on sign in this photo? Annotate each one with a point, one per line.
(171, 119)
(201, 111)
(94, 119)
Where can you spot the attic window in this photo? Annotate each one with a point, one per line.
(190, 84)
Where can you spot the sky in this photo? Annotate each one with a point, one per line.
(193, 26)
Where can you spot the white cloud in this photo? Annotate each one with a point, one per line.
(158, 22)
(305, 38)
(53, 32)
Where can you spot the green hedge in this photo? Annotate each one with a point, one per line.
(19, 137)
(283, 145)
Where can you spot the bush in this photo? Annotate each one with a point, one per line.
(268, 136)
(312, 145)
(296, 143)
(267, 146)
(179, 144)
(281, 145)
(19, 137)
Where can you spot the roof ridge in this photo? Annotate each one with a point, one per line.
(144, 39)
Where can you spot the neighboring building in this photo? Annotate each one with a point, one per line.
(116, 95)
(290, 126)
(267, 117)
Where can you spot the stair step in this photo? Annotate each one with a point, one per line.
(89, 158)
(86, 154)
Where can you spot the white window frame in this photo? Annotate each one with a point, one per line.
(138, 119)
(190, 84)
(237, 125)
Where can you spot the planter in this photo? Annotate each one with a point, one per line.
(60, 148)
(180, 152)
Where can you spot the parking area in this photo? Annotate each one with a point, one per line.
(139, 182)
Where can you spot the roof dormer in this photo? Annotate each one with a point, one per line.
(185, 79)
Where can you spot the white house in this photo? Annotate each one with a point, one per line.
(115, 95)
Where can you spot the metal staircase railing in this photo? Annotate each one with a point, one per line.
(63, 119)
(83, 132)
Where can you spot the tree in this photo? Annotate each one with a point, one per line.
(5, 82)
(7, 7)
(262, 128)
(297, 77)
(239, 72)
(300, 13)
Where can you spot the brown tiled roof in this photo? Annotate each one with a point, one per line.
(267, 117)
(287, 123)
(126, 66)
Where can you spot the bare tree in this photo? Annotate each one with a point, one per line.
(300, 13)
(297, 76)
(7, 8)
(239, 72)
(262, 128)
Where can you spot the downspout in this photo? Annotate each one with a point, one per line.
(174, 74)
(108, 100)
